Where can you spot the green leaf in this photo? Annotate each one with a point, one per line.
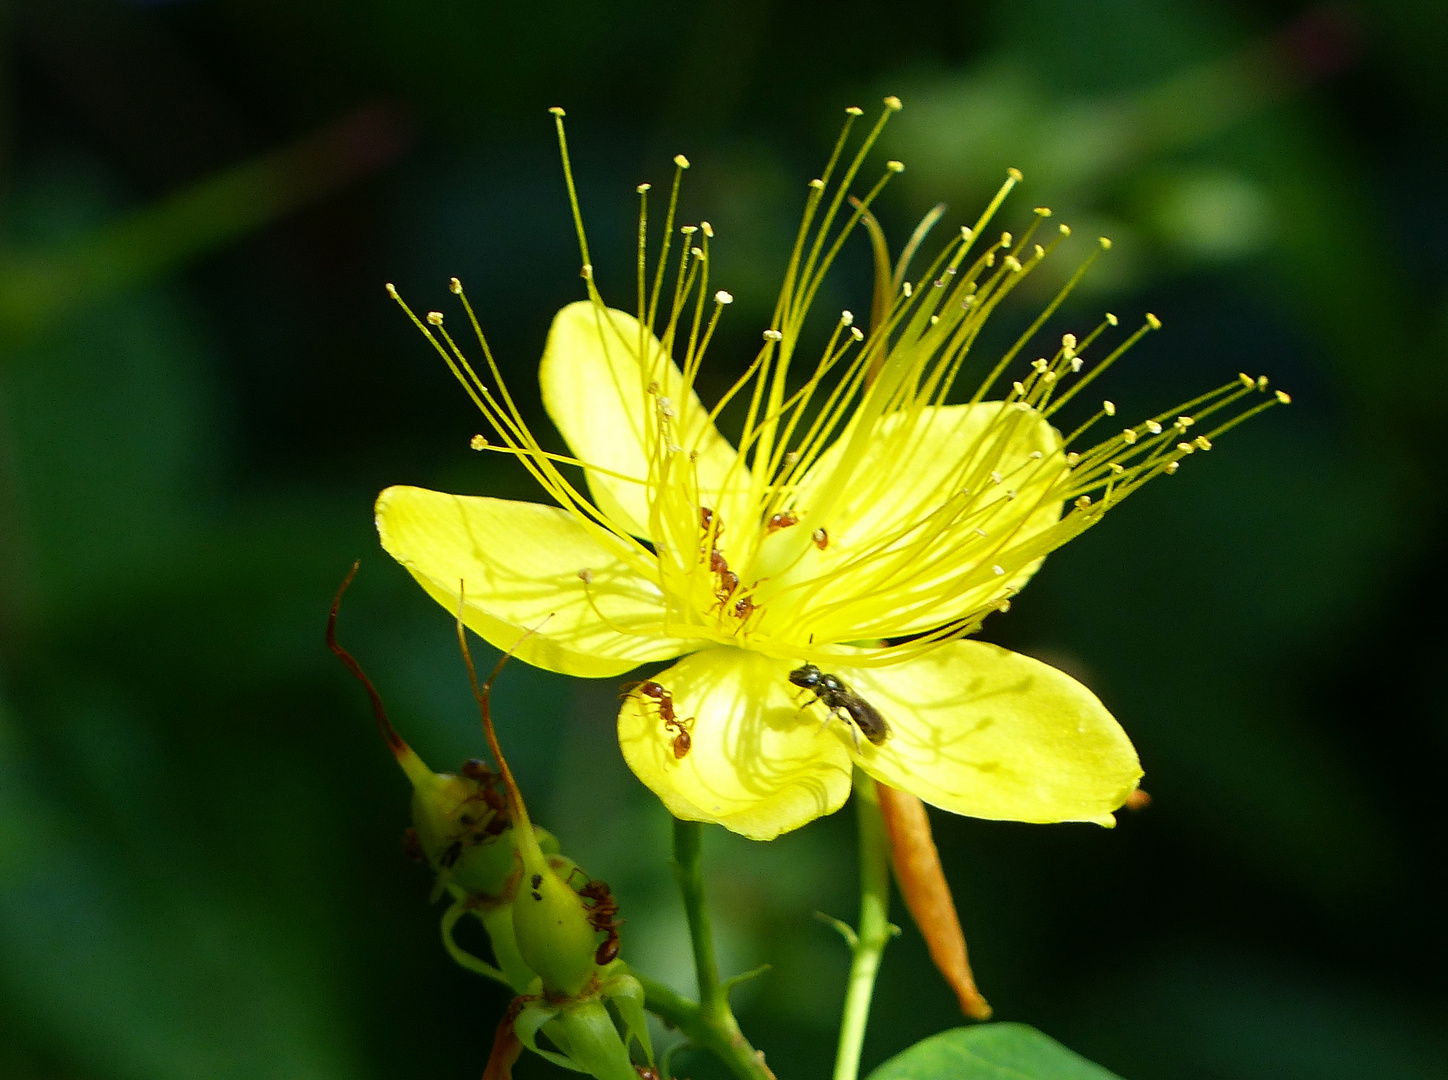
(990, 1052)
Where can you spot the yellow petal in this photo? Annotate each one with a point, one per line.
(980, 730)
(519, 563)
(757, 764)
(892, 569)
(597, 392)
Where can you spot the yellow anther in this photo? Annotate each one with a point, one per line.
(1186, 448)
(1109, 407)
(1011, 263)
(1073, 459)
(688, 230)
(1015, 174)
(907, 289)
(893, 103)
(1006, 239)
(847, 318)
(1184, 422)
(1261, 382)
(996, 477)
(586, 576)
(1111, 319)
(817, 184)
(1003, 606)
(708, 229)
(1105, 242)
(391, 290)
(1043, 211)
(477, 442)
(857, 333)
(1048, 377)
(697, 252)
(1246, 380)
(998, 570)
(1068, 342)
(1076, 363)
(967, 233)
(895, 166)
(1117, 468)
(1039, 364)
(1128, 436)
(1203, 443)
(1153, 427)
(1152, 321)
(722, 297)
(643, 187)
(1083, 502)
(681, 161)
(455, 286)
(434, 318)
(1172, 467)
(1064, 229)
(557, 110)
(586, 271)
(1284, 397)
(854, 110)
(773, 335)
(1019, 387)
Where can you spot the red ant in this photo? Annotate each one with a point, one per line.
(672, 724)
(602, 909)
(782, 520)
(728, 585)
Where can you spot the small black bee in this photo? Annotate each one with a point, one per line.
(840, 698)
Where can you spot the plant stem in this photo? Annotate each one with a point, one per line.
(689, 873)
(710, 1023)
(726, 1042)
(874, 931)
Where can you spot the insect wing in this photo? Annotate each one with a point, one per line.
(867, 718)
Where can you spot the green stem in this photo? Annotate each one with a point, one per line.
(710, 1023)
(726, 1042)
(874, 931)
(688, 872)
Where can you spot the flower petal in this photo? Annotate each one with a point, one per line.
(980, 730)
(519, 563)
(597, 392)
(757, 763)
(914, 463)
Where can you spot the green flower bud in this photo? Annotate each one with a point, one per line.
(554, 932)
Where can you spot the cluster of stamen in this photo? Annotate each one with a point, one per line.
(870, 392)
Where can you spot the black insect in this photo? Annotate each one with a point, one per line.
(839, 698)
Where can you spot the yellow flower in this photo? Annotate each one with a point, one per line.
(866, 521)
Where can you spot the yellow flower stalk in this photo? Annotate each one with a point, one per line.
(867, 519)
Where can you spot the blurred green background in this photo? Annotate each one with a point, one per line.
(202, 387)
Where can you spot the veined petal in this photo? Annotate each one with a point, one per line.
(757, 763)
(980, 730)
(518, 563)
(942, 496)
(596, 389)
